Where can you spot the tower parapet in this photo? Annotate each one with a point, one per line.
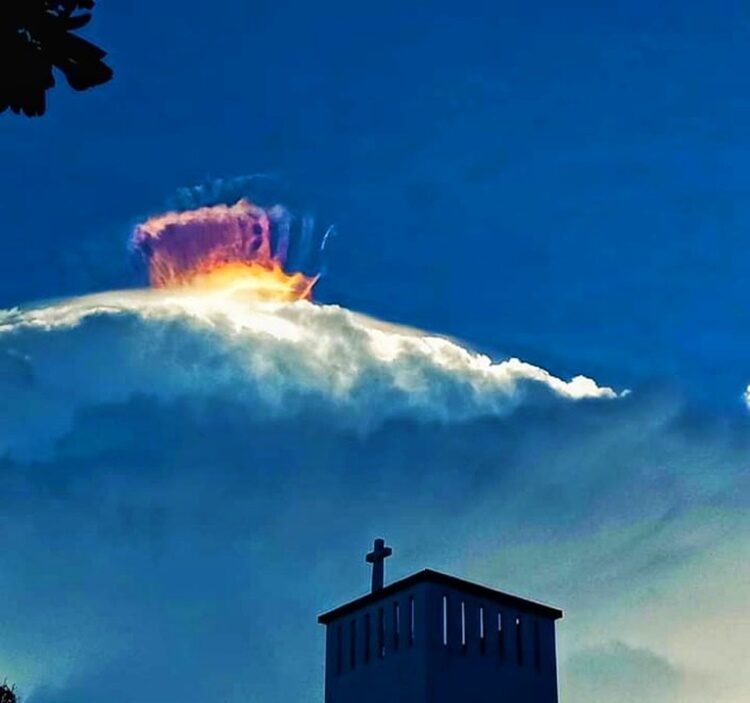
(435, 638)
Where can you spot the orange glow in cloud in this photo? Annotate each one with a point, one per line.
(220, 247)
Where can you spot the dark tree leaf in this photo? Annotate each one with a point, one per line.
(78, 21)
(7, 694)
(36, 36)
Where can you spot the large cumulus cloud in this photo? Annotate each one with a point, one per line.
(278, 359)
(189, 480)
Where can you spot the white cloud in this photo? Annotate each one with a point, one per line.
(271, 356)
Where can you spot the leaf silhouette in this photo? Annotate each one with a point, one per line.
(36, 36)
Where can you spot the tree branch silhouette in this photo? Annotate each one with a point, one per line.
(37, 36)
(7, 693)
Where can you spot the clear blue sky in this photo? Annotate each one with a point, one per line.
(565, 183)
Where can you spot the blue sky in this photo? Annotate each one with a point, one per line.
(562, 184)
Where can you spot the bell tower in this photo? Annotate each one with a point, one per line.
(435, 638)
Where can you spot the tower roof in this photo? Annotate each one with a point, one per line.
(436, 577)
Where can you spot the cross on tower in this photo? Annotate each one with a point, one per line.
(376, 557)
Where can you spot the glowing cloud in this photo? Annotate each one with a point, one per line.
(222, 247)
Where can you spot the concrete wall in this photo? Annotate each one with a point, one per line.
(468, 669)
(488, 669)
(398, 674)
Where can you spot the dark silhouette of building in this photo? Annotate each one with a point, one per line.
(434, 638)
(37, 36)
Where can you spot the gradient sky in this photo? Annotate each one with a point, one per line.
(563, 184)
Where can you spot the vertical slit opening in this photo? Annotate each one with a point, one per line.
(368, 635)
(519, 641)
(445, 621)
(463, 624)
(482, 640)
(339, 648)
(411, 620)
(396, 624)
(500, 636)
(352, 644)
(381, 633)
(537, 647)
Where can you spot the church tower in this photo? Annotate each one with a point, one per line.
(434, 638)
